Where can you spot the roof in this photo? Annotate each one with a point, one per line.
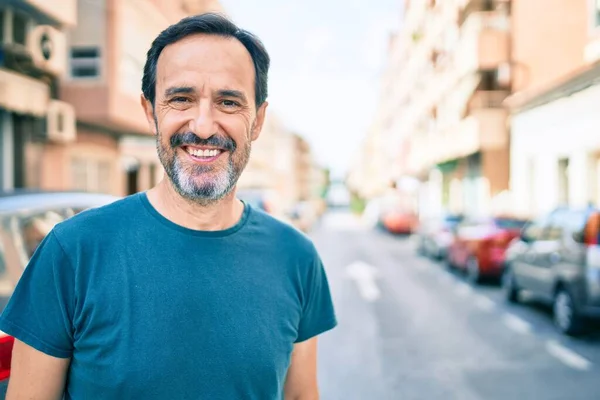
(575, 82)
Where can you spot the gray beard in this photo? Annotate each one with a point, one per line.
(203, 190)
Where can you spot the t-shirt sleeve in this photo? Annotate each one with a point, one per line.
(40, 311)
(318, 314)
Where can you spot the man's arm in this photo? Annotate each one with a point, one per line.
(35, 375)
(301, 381)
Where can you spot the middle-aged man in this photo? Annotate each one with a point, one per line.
(183, 291)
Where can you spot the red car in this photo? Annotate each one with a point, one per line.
(478, 246)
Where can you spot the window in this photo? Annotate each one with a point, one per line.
(2, 25)
(19, 29)
(104, 174)
(91, 175)
(85, 62)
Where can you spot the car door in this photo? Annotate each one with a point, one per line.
(525, 252)
(549, 254)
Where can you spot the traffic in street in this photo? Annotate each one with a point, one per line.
(410, 328)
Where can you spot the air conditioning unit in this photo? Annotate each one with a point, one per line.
(60, 122)
(48, 49)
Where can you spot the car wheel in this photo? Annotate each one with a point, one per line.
(566, 316)
(509, 286)
(473, 271)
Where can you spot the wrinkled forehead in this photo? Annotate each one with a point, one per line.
(206, 61)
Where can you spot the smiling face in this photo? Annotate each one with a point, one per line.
(205, 116)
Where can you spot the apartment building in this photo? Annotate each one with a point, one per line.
(555, 148)
(459, 61)
(32, 61)
(282, 166)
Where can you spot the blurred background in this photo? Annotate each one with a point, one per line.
(443, 155)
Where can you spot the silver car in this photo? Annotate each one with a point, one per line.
(557, 259)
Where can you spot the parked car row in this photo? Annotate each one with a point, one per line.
(555, 259)
(25, 220)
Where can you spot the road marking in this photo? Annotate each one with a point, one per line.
(517, 324)
(567, 356)
(484, 303)
(364, 275)
(463, 290)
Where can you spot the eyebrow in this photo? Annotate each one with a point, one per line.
(232, 93)
(179, 90)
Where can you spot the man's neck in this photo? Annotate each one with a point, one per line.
(214, 217)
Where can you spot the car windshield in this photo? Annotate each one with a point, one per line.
(509, 223)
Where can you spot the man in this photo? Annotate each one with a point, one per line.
(181, 292)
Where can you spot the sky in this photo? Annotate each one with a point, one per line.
(326, 61)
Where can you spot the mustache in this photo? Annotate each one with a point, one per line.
(190, 139)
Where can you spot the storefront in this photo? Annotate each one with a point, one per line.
(555, 147)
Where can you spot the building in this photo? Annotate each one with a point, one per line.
(555, 148)
(90, 55)
(459, 60)
(282, 165)
(32, 61)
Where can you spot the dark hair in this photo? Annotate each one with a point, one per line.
(210, 24)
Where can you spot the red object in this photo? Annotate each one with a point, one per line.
(6, 346)
(487, 244)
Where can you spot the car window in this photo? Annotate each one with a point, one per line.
(535, 230)
(557, 225)
(509, 223)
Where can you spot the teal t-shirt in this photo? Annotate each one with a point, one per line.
(147, 309)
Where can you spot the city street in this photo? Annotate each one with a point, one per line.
(409, 329)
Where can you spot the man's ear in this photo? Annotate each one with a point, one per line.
(149, 113)
(259, 122)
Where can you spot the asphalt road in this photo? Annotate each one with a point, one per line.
(409, 329)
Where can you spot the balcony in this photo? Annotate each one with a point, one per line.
(484, 129)
(65, 14)
(484, 42)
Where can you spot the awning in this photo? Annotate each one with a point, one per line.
(22, 94)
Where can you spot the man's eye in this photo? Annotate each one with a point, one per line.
(230, 103)
(180, 99)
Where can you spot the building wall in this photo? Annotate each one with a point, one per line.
(565, 128)
(548, 40)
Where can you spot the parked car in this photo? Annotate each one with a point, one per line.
(435, 235)
(398, 221)
(25, 220)
(478, 246)
(557, 259)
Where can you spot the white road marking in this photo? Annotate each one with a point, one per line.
(484, 303)
(517, 324)
(567, 356)
(364, 275)
(463, 290)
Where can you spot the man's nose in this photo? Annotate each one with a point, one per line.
(204, 124)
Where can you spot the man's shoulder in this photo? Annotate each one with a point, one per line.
(100, 220)
(284, 235)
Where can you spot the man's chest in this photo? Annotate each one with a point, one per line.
(234, 323)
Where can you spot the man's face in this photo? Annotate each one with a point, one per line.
(205, 115)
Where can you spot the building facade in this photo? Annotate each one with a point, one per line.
(555, 149)
(32, 62)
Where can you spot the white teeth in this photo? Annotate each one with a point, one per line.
(203, 153)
